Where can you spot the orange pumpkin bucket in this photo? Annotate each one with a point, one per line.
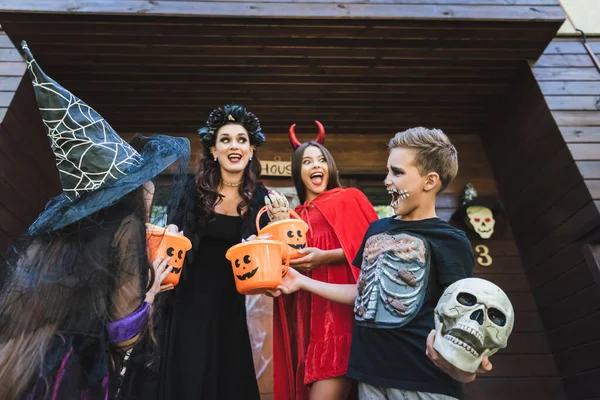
(257, 265)
(290, 231)
(160, 242)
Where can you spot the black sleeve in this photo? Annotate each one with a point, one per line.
(359, 255)
(454, 260)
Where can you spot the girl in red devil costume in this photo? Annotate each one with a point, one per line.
(312, 335)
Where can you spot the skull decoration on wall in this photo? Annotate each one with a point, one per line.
(478, 213)
(481, 219)
(473, 318)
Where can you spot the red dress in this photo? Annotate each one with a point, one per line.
(312, 335)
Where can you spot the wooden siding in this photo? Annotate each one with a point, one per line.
(489, 10)
(27, 172)
(149, 73)
(545, 179)
(570, 295)
(576, 111)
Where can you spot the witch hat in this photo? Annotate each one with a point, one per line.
(96, 166)
(89, 153)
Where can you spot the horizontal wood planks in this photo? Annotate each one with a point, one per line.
(152, 72)
(482, 10)
(576, 113)
(27, 178)
(543, 150)
(364, 155)
(575, 302)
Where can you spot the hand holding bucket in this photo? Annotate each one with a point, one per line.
(258, 265)
(161, 242)
(290, 231)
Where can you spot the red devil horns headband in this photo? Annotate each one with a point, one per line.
(320, 137)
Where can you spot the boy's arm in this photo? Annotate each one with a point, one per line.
(344, 294)
(294, 281)
(314, 257)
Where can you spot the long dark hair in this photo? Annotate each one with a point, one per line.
(333, 180)
(70, 281)
(208, 179)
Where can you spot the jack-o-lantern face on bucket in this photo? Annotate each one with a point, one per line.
(162, 243)
(295, 239)
(244, 268)
(258, 265)
(176, 259)
(290, 231)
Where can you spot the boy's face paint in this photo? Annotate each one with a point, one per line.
(404, 181)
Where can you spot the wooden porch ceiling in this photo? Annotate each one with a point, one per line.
(154, 71)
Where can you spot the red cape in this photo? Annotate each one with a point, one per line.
(349, 213)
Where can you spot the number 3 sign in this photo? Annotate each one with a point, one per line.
(485, 259)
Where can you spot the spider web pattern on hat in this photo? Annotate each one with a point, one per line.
(89, 153)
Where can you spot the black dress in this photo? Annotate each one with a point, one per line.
(202, 349)
(207, 353)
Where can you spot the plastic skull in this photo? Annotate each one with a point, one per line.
(473, 318)
(482, 220)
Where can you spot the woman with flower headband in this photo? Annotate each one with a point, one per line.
(80, 288)
(205, 344)
(311, 335)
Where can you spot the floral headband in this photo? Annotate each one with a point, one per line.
(236, 114)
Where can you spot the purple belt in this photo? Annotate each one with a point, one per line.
(126, 328)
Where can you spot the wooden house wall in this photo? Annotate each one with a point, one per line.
(517, 10)
(361, 73)
(543, 149)
(571, 86)
(28, 178)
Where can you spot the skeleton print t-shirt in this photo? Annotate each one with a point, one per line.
(405, 266)
(393, 280)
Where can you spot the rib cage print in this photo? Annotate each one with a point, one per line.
(393, 279)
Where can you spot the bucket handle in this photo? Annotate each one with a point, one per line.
(264, 209)
(286, 265)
